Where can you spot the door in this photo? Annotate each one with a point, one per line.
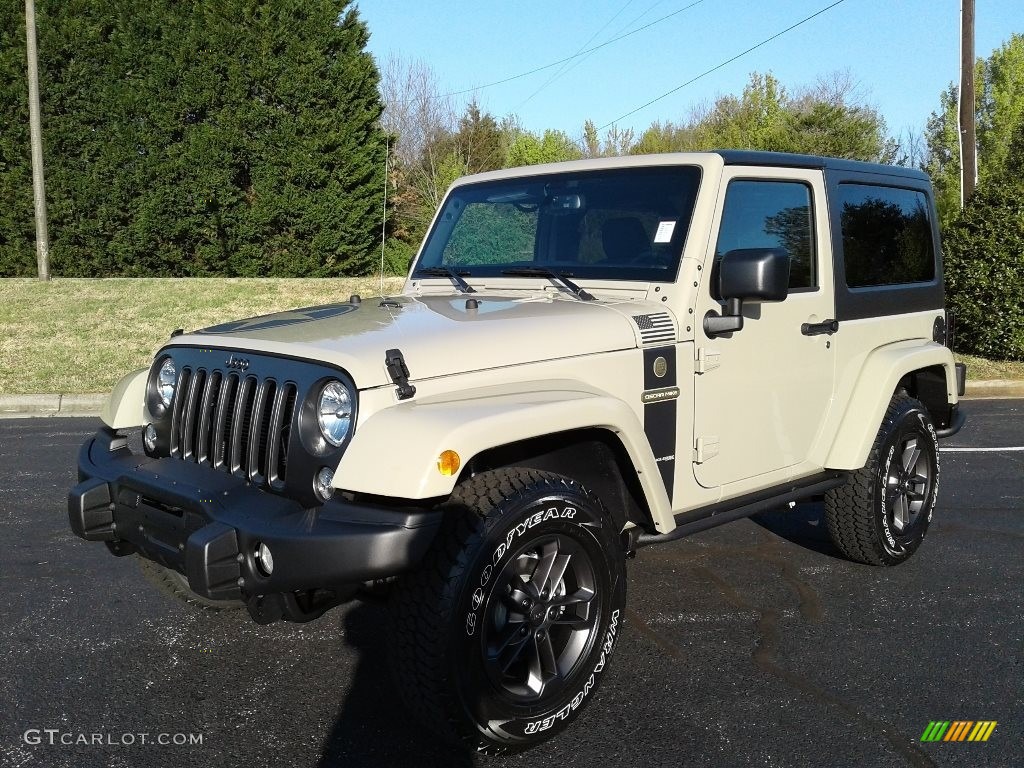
(762, 395)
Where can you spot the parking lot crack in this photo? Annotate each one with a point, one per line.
(764, 658)
(653, 635)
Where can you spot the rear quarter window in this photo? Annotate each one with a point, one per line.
(887, 235)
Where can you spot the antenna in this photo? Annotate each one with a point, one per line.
(384, 212)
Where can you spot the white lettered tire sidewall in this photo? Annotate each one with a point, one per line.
(898, 546)
(498, 719)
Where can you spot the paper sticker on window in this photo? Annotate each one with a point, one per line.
(664, 233)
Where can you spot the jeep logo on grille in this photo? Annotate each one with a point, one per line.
(237, 362)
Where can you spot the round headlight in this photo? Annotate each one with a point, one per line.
(165, 381)
(334, 412)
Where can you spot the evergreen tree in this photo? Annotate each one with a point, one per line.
(17, 237)
(479, 141)
(239, 137)
(984, 262)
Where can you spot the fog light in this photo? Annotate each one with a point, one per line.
(448, 463)
(264, 560)
(149, 438)
(323, 483)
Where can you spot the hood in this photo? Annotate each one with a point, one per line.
(438, 335)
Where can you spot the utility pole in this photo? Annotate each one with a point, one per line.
(36, 131)
(384, 212)
(968, 140)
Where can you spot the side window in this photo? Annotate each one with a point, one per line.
(887, 235)
(771, 214)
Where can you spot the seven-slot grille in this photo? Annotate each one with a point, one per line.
(233, 422)
(656, 328)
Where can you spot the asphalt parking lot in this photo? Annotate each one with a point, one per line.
(752, 644)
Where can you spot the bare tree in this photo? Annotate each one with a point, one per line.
(837, 89)
(617, 141)
(912, 148)
(416, 110)
(422, 118)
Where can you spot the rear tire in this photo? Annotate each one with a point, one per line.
(881, 515)
(504, 632)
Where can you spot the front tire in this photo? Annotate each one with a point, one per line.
(881, 515)
(505, 631)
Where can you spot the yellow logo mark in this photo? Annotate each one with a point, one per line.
(959, 730)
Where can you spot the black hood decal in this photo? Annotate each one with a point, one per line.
(280, 319)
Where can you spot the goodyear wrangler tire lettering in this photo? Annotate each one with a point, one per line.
(552, 513)
(881, 515)
(577, 700)
(536, 573)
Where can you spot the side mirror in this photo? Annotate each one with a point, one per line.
(747, 274)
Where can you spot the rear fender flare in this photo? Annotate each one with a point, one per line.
(879, 377)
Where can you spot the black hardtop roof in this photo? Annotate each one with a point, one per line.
(788, 160)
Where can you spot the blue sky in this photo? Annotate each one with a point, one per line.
(902, 53)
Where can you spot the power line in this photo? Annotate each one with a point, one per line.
(724, 63)
(619, 31)
(578, 53)
(575, 55)
(635, 19)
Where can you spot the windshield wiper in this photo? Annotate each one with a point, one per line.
(560, 278)
(456, 277)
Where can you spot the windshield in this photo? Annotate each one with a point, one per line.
(621, 224)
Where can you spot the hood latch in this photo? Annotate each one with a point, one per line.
(399, 373)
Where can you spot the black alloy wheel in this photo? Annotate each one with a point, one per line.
(505, 631)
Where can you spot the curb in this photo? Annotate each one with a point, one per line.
(29, 406)
(994, 389)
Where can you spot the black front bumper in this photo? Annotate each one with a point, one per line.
(207, 524)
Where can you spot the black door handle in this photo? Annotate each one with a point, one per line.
(817, 329)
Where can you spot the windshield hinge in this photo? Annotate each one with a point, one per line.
(399, 373)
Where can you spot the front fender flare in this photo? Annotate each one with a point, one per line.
(395, 452)
(126, 406)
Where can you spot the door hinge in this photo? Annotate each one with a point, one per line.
(706, 361)
(707, 448)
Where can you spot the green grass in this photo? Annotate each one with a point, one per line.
(80, 336)
(979, 369)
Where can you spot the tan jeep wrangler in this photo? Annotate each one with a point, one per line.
(586, 358)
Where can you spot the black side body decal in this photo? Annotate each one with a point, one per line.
(660, 417)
